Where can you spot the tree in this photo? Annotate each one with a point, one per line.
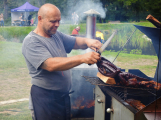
(5, 8)
(154, 8)
(134, 8)
(123, 10)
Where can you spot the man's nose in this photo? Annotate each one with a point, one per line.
(57, 23)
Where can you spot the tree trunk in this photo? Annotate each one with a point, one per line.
(41, 2)
(5, 3)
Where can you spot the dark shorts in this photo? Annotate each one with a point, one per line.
(49, 104)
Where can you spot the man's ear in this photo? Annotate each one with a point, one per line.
(39, 18)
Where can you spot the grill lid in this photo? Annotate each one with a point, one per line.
(155, 35)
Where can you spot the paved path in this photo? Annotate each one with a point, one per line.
(13, 101)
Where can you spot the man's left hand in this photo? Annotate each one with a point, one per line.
(94, 44)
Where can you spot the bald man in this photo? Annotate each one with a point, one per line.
(45, 51)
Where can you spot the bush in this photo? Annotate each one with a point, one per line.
(7, 22)
(136, 51)
(125, 51)
(15, 34)
(136, 44)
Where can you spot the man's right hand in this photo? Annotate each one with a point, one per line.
(91, 57)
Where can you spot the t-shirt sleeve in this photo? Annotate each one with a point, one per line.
(36, 53)
(68, 41)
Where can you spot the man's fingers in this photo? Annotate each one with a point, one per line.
(95, 45)
(93, 48)
(95, 57)
(91, 57)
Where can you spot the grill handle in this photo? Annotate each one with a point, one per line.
(99, 101)
(154, 21)
(109, 110)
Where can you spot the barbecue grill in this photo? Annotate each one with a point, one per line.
(110, 100)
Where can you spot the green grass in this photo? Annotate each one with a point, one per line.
(146, 63)
(14, 78)
(15, 111)
(147, 24)
(10, 56)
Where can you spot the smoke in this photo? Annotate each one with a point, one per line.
(82, 6)
(145, 37)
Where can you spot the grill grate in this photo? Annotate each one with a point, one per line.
(122, 91)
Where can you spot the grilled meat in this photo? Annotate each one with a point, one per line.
(108, 69)
(135, 103)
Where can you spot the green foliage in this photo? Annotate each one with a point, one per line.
(137, 41)
(124, 50)
(15, 33)
(153, 6)
(128, 2)
(7, 22)
(131, 10)
(123, 10)
(136, 51)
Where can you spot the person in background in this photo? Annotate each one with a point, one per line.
(100, 35)
(2, 19)
(72, 18)
(45, 51)
(29, 19)
(32, 21)
(22, 19)
(76, 31)
(76, 19)
(35, 20)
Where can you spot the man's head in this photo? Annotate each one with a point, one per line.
(49, 17)
(78, 28)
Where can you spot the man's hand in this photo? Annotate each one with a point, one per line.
(84, 43)
(91, 57)
(93, 44)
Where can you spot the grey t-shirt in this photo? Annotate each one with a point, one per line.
(36, 49)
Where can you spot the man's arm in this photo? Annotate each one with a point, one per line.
(84, 43)
(65, 63)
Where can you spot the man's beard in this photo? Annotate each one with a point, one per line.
(49, 32)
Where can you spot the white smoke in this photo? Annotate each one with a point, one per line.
(145, 37)
(82, 6)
